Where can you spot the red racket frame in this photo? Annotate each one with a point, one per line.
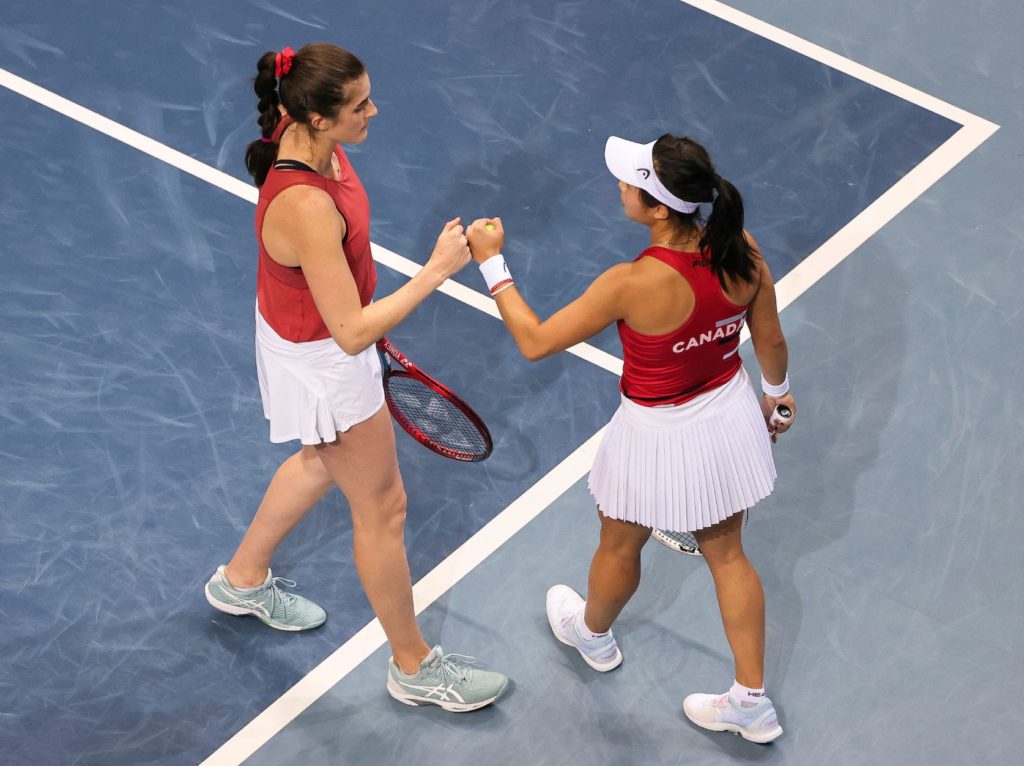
(412, 371)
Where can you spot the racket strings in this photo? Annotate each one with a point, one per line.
(436, 416)
(683, 542)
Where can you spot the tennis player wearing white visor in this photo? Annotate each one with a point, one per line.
(689, 448)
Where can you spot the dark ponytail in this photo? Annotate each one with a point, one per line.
(684, 167)
(261, 153)
(731, 253)
(314, 83)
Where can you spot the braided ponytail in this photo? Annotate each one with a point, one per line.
(260, 154)
(312, 81)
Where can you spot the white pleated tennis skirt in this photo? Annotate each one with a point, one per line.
(686, 467)
(313, 390)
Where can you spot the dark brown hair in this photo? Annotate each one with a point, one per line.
(316, 84)
(684, 167)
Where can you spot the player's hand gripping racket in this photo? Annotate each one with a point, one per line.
(684, 542)
(429, 412)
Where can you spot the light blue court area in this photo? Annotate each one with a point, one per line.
(133, 450)
(825, 638)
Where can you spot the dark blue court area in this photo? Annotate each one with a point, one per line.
(134, 449)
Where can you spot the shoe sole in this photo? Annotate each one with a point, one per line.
(241, 611)
(760, 739)
(452, 707)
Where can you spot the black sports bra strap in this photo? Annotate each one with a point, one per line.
(292, 165)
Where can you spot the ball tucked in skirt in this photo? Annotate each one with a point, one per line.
(312, 390)
(685, 467)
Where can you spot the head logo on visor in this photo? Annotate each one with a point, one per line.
(632, 162)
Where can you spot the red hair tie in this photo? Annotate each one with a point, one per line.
(283, 62)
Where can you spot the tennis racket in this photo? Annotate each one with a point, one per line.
(429, 412)
(781, 415)
(684, 542)
(680, 542)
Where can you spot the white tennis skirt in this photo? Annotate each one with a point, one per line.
(313, 390)
(685, 467)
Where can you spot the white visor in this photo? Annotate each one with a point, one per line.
(634, 164)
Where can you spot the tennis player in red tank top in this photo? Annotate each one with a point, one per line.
(689, 448)
(317, 324)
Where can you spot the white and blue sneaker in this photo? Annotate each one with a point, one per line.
(565, 606)
(277, 608)
(718, 712)
(446, 680)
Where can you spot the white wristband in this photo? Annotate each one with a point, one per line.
(780, 390)
(495, 273)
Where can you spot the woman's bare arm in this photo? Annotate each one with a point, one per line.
(599, 306)
(315, 231)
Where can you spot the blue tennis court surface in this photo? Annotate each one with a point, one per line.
(134, 448)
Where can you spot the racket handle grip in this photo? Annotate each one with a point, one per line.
(782, 415)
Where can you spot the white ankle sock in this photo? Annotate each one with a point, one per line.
(744, 696)
(581, 626)
(246, 590)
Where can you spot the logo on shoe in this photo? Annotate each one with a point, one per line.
(442, 692)
(255, 606)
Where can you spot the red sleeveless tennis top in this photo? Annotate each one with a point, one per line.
(701, 355)
(282, 294)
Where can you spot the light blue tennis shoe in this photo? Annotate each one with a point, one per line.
(269, 603)
(446, 680)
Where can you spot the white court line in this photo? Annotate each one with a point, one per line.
(342, 661)
(876, 215)
(833, 60)
(974, 132)
(486, 304)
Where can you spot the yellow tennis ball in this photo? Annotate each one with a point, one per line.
(489, 227)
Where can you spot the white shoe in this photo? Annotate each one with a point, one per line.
(563, 604)
(718, 712)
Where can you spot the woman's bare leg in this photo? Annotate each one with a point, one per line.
(299, 484)
(614, 571)
(364, 464)
(740, 597)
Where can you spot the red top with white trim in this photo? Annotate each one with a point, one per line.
(701, 355)
(282, 294)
